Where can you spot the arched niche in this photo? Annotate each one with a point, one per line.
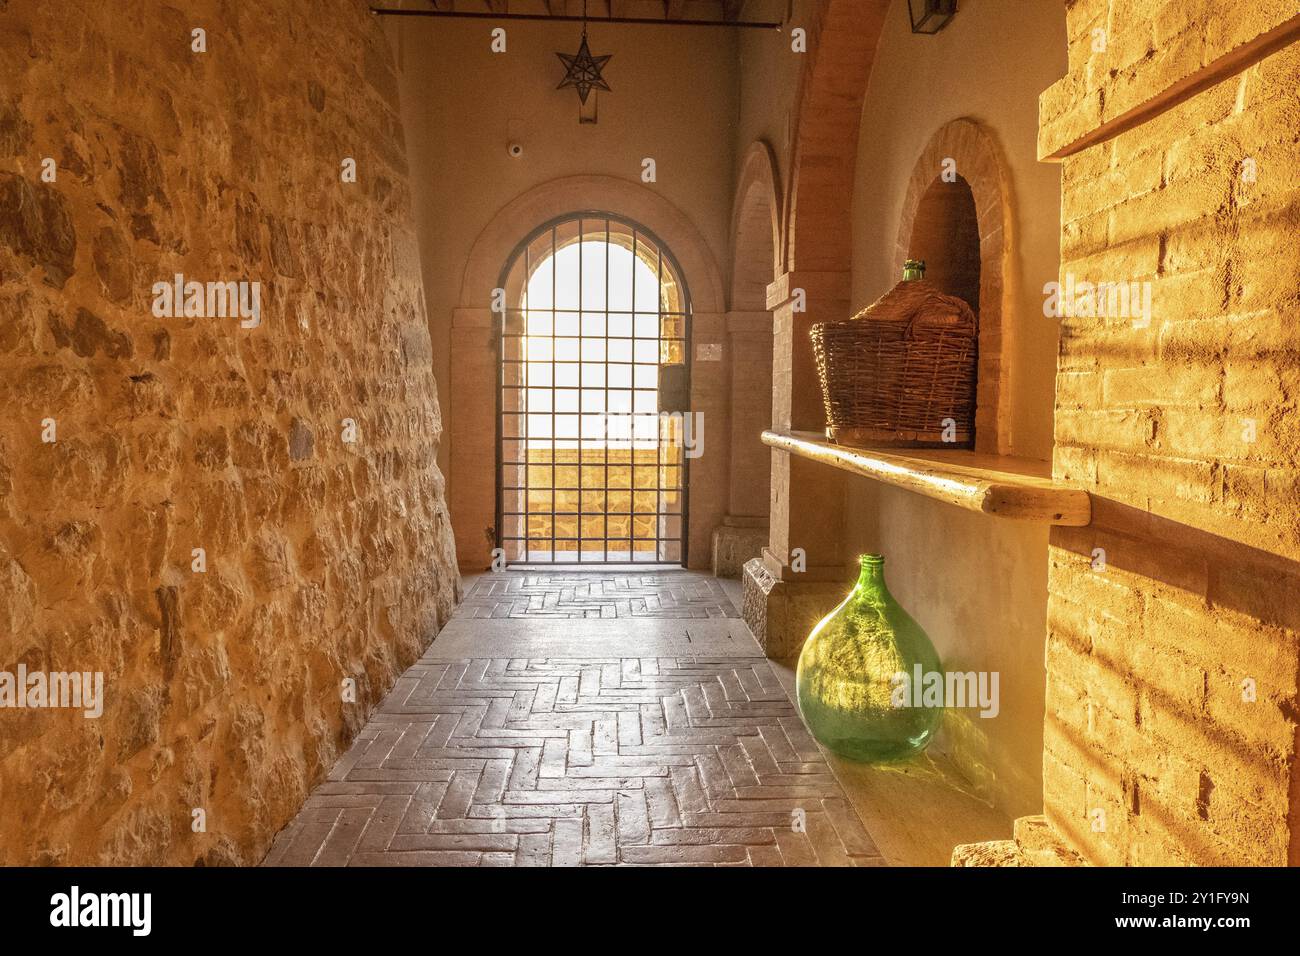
(756, 262)
(946, 236)
(755, 230)
(961, 225)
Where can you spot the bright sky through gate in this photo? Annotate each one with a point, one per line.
(587, 384)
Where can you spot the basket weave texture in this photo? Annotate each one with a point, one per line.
(894, 373)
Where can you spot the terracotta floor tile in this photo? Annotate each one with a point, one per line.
(613, 756)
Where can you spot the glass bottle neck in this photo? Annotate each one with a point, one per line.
(872, 576)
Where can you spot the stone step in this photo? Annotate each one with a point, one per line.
(1035, 843)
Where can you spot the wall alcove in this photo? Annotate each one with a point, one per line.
(961, 228)
(946, 237)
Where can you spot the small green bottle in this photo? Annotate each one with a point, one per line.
(862, 673)
(913, 269)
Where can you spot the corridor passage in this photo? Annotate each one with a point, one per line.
(580, 718)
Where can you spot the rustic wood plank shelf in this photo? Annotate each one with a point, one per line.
(1017, 488)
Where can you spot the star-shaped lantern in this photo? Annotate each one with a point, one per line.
(584, 71)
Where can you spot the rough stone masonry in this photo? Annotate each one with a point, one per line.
(182, 504)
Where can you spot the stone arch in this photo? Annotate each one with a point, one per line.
(817, 253)
(980, 165)
(474, 347)
(756, 262)
(569, 194)
(756, 254)
(842, 47)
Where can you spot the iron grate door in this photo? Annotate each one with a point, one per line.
(594, 381)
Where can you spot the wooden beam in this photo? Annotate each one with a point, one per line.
(673, 9)
(569, 18)
(731, 9)
(1017, 488)
(555, 7)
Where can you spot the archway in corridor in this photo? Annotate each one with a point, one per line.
(475, 370)
(594, 428)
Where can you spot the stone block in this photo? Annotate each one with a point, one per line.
(993, 853)
(1034, 843)
(734, 544)
(36, 225)
(782, 613)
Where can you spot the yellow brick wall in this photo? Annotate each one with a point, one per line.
(1200, 527)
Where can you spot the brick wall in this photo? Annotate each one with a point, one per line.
(1185, 590)
(325, 560)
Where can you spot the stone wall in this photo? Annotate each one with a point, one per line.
(326, 560)
(1173, 620)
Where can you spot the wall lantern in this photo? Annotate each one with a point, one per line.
(934, 15)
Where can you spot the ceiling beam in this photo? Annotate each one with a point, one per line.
(562, 18)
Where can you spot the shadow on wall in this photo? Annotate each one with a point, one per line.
(1164, 741)
(1187, 558)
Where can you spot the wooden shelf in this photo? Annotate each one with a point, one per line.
(1018, 488)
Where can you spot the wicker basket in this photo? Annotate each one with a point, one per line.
(897, 370)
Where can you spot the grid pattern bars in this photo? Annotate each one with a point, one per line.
(591, 454)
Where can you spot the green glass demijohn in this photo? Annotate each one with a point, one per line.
(851, 689)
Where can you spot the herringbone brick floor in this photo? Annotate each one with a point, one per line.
(670, 594)
(521, 761)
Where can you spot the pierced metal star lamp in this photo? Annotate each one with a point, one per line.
(583, 71)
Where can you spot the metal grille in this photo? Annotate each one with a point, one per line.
(593, 356)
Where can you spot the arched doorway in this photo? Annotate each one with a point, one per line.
(593, 426)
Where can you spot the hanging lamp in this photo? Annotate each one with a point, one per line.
(584, 72)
